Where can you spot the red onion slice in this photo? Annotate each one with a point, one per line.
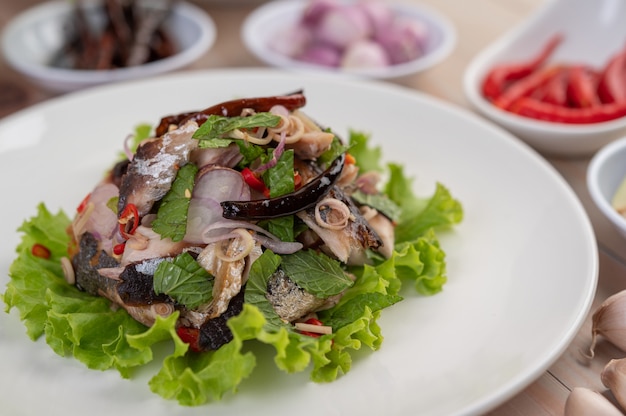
(214, 184)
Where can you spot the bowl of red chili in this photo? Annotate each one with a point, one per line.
(555, 86)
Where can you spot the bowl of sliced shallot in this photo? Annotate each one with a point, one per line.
(363, 38)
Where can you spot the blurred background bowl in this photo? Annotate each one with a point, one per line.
(605, 174)
(264, 24)
(592, 32)
(31, 40)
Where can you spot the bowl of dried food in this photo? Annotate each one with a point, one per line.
(64, 46)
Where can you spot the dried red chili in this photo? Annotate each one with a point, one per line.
(526, 86)
(129, 220)
(582, 87)
(529, 107)
(555, 90)
(499, 77)
(612, 83)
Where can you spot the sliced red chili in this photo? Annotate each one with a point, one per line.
(297, 179)
(41, 251)
(499, 77)
(253, 180)
(129, 220)
(190, 336)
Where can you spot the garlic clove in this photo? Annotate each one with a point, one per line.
(609, 321)
(585, 402)
(614, 377)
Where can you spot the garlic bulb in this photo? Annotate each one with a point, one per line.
(614, 377)
(585, 402)
(609, 321)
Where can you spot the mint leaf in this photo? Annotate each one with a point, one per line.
(184, 280)
(215, 127)
(336, 148)
(171, 220)
(316, 273)
(250, 153)
(256, 289)
(279, 178)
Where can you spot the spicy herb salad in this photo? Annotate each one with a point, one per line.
(245, 222)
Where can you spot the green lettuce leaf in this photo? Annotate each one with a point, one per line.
(368, 157)
(75, 323)
(142, 132)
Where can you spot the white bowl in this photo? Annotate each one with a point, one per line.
(31, 39)
(263, 24)
(593, 31)
(605, 173)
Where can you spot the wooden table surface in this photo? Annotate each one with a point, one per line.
(478, 22)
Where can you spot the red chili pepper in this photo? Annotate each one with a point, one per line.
(582, 87)
(118, 249)
(190, 336)
(253, 180)
(612, 83)
(81, 207)
(41, 251)
(499, 77)
(129, 220)
(529, 107)
(525, 87)
(555, 91)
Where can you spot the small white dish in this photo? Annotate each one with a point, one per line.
(606, 172)
(593, 31)
(31, 39)
(263, 24)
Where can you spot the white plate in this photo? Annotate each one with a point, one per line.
(522, 266)
(268, 20)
